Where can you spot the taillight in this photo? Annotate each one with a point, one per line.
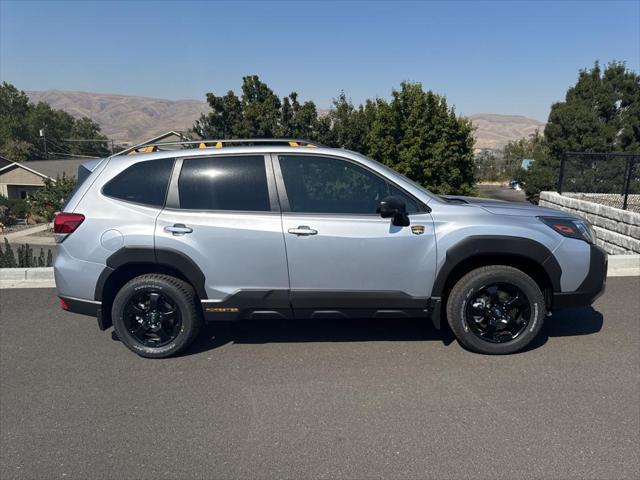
(66, 223)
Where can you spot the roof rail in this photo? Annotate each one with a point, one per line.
(154, 147)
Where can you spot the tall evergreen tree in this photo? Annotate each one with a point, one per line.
(601, 113)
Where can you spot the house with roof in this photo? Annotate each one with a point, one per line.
(21, 179)
(18, 180)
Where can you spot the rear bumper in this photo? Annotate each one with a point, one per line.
(591, 288)
(85, 307)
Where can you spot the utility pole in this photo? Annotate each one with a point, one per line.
(44, 143)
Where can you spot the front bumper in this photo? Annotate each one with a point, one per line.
(591, 288)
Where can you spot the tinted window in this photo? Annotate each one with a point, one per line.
(224, 183)
(326, 185)
(143, 182)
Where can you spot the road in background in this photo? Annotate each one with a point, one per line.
(310, 399)
(501, 193)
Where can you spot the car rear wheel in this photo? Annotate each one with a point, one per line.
(496, 310)
(156, 316)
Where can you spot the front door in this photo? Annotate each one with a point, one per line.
(343, 258)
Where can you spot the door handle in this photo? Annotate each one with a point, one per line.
(178, 229)
(303, 230)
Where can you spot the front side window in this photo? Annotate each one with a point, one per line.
(143, 182)
(328, 185)
(224, 183)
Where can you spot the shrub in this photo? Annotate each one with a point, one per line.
(50, 199)
(18, 209)
(7, 258)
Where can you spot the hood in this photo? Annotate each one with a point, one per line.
(501, 207)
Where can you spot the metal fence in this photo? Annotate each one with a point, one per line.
(611, 179)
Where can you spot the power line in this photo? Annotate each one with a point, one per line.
(91, 140)
(72, 155)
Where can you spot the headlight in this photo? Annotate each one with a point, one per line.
(580, 229)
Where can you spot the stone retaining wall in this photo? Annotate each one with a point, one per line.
(618, 230)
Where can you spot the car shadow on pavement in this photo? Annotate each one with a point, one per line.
(580, 321)
(568, 323)
(216, 334)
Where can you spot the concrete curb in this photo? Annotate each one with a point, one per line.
(37, 277)
(619, 266)
(624, 266)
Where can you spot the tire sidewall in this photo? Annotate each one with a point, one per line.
(141, 285)
(470, 286)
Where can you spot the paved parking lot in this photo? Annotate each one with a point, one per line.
(339, 399)
(502, 193)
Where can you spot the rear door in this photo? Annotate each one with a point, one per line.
(344, 259)
(222, 212)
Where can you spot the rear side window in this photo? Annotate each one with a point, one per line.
(224, 183)
(143, 182)
(83, 174)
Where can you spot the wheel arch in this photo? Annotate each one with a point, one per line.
(128, 263)
(473, 252)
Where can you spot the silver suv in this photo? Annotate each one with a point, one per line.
(156, 243)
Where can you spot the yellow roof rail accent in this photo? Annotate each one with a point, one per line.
(149, 149)
(311, 145)
(202, 145)
(219, 145)
(294, 144)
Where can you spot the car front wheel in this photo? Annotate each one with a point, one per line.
(496, 309)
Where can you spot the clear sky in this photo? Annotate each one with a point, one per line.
(500, 57)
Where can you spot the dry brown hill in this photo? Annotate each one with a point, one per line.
(134, 119)
(495, 131)
(125, 118)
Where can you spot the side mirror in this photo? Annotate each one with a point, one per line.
(395, 209)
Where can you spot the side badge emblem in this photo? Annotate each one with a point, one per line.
(417, 229)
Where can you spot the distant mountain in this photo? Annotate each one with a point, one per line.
(494, 131)
(124, 118)
(135, 119)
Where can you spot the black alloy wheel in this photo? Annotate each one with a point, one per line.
(152, 318)
(156, 315)
(498, 312)
(496, 309)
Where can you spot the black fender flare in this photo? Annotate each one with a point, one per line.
(163, 257)
(484, 245)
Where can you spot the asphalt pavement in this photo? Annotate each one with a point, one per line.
(309, 399)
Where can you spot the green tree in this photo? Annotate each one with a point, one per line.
(14, 107)
(489, 167)
(21, 123)
(601, 113)
(260, 108)
(533, 147)
(416, 133)
(50, 199)
(434, 146)
(84, 128)
(349, 125)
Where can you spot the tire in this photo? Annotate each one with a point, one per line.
(156, 316)
(496, 310)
